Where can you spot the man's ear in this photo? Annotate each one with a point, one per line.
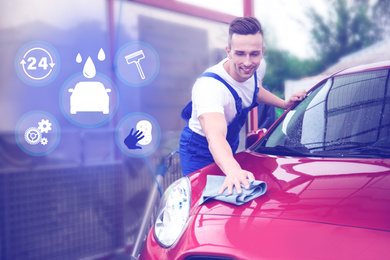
(264, 48)
(228, 51)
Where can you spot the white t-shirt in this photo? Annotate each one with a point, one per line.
(210, 95)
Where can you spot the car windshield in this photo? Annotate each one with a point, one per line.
(345, 116)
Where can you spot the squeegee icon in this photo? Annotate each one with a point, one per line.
(135, 57)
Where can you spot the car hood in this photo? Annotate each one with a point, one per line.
(344, 192)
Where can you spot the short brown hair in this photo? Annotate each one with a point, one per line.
(244, 25)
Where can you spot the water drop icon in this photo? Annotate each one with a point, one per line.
(101, 55)
(78, 58)
(89, 70)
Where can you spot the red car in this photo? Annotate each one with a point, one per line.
(326, 163)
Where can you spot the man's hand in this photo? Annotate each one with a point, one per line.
(235, 179)
(215, 128)
(298, 96)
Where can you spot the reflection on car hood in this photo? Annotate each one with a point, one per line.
(346, 192)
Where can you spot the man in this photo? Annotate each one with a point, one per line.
(221, 101)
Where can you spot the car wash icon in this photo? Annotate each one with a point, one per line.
(37, 63)
(137, 64)
(142, 135)
(135, 57)
(138, 134)
(37, 59)
(89, 96)
(37, 133)
(34, 135)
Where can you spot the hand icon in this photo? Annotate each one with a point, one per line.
(132, 139)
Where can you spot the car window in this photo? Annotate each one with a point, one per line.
(346, 115)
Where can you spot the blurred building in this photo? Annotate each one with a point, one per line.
(374, 53)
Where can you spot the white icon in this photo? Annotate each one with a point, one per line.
(135, 57)
(44, 126)
(90, 96)
(45, 62)
(33, 135)
(146, 127)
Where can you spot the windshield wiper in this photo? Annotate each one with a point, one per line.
(357, 151)
(375, 151)
(284, 150)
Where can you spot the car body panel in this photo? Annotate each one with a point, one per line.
(270, 238)
(335, 207)
(336, 191)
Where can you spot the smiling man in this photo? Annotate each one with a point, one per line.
(221, 101)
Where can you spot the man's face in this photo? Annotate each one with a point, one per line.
(245, 54)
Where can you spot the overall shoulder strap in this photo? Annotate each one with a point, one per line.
(256, 89)
(217, 77)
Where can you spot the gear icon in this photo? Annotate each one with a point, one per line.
(44, 126)
(44, 141)
(32, 135)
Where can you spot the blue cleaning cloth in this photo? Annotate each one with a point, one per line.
(214, 184)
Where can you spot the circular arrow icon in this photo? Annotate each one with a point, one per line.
(34, 65)
(37, 63)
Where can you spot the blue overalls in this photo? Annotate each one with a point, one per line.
(194, 150)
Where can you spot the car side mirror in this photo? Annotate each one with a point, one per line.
(253, 136)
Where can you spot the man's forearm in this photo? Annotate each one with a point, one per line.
(270, 99)
(223, 155)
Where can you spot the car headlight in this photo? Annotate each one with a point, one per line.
(173, 212)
